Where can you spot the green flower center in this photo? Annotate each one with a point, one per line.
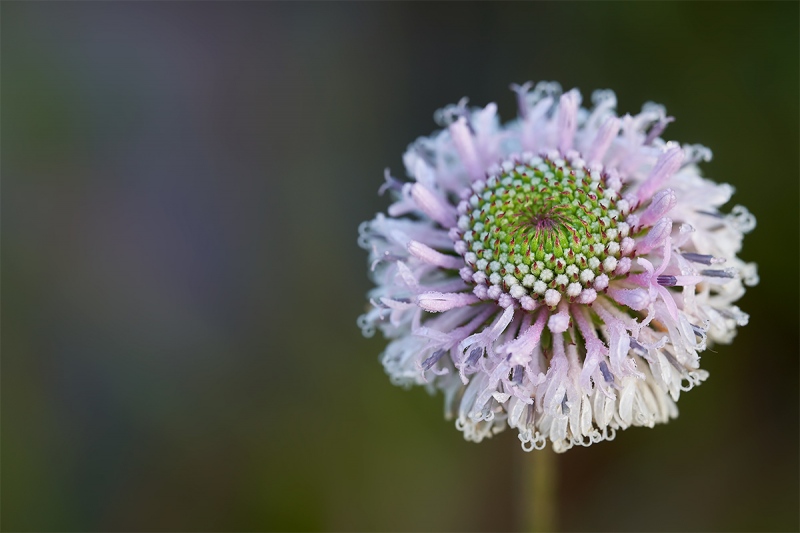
(543, 225)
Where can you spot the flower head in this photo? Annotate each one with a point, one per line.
(559, 274)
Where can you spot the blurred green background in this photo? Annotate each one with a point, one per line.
(182, 183)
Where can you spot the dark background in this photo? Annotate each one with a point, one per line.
(181, 188)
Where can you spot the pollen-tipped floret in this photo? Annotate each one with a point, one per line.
(559, 274)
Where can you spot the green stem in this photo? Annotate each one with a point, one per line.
(540, 491)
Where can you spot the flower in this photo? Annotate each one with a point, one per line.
(559, 274)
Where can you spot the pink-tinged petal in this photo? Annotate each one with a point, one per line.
(672, 308)
(522, 93)
(684, 281)
(626, 403)
(567, 119)
(432, 257)
(667, 254)
(395, 304)
(605, 136)
(662, 203)
(536, 115)
(438, 302)
(641, 279)
(519, 350)
(501, 323)
(408, 278)
(636, 299)
(619, 345)
(465, 144)
(433, 206)
(391, 183)
(655, 237)
(657, 129)
(595, 348)
(647, 265)
(668, 164)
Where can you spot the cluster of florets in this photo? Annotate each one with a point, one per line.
(544, 227)
(559, 274)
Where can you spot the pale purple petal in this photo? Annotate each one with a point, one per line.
(655, 237)
(605, 136)
(662, 203)
(567, 119)
(432, 257)
(668, 163)
(465, 144)
(433, 206)
(437, 302)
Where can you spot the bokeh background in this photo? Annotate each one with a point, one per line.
(181, 188)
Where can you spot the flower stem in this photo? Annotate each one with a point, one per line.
(539, 507)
